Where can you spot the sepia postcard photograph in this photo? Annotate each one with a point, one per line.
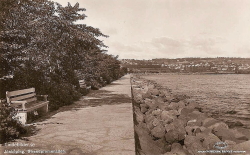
(124, 77)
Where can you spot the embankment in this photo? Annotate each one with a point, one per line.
(167, 123)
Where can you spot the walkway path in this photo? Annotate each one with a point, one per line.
(100, 123)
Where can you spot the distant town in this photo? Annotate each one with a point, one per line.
(223, 65)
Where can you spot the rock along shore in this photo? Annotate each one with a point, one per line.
(171, 124)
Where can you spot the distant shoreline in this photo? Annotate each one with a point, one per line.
(197, 73)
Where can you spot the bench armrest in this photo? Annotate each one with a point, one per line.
(45, 97)
(18, 103)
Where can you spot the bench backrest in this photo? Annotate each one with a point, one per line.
(28, 95)
(82, 83)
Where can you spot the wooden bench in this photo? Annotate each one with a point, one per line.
(83, 85)
(25, 101)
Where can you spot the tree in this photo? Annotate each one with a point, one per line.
(42, 38)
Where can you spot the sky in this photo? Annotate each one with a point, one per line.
(148, 29)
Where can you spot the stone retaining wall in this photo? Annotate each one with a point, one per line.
(166, 123)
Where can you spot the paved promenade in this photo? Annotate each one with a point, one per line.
(100, 123)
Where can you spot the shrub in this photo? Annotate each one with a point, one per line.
(10, 128)
(61, 94)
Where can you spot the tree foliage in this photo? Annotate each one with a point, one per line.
(42, 46)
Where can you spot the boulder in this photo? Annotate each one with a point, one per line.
(238, 123)
(147, 95)
(218, 126)
(157, 112)
(224, 134)
(137, 97)
(197, 115)
(229, 134)
(244, 131)
(150, 85)
(147, 144)
(239, 135)
(192, 105)
(185, 111)
(174, 113)
(158, 100)
(192, 130)
(149, 103)
(144, 108)
(149, 112)
(209, 122)
(207, 140)
(144, 89)
(169, 127)
(171, 136)
(173, 106)
(177, 149)
(230, 144)
(175, 99)
(148, 120)
(164, 106)
(181, 104)
(179, 123)
(193, 144)
(194, 122)
(158, 131)
(164, 92)
(181, 96)
(197, 131)
(143, 126)
(139, 115)
(168, 98)
(194, 118)
(167, 148)
(167, 117)
(244, 146)
(154, 92)
(189, 140)
(202, 128)
(175, 135)
(206, 130)
(155, 122)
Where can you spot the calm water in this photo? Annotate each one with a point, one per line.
(216, 93)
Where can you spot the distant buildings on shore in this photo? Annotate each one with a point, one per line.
(189, 65)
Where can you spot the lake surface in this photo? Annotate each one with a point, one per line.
(217, 94)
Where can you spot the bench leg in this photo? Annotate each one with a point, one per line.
(45, 108)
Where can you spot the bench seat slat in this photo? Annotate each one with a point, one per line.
(36, 106)
(18, 92)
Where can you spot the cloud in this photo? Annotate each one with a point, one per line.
(243, 51)
(207, 45)
(166, 47)
(127, 48)
(166, 42)
(110, 31)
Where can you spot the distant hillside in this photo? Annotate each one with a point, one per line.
(209, 65)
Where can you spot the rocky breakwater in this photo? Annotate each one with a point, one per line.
(170, 124)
